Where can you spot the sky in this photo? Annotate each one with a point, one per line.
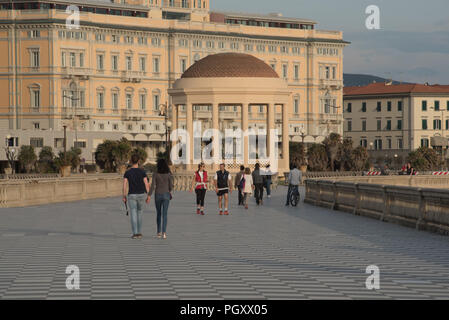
(411, 45)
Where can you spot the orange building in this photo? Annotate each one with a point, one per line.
(109, 76)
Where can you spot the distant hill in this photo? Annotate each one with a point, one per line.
(352, 80)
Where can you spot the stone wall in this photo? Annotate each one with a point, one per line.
(420, 208)
(22, 193)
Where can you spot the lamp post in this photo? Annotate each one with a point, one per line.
(73, 98)
(442, 134)
(164, 113)
(11, 154)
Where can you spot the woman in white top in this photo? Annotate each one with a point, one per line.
(249, 186)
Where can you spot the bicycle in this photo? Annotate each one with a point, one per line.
(294, 196)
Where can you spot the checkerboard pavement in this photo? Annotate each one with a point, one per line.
(267, 252)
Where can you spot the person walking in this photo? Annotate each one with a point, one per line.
(223, 186)
(162, 186)
(258, 183)
(247, 186)
(238, 177)
(268, 180)
(135, 189)
(199, 184)
(294, 179)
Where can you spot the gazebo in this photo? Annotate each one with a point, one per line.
(218, 87)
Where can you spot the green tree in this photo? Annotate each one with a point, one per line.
(345, 155)
(122, 152)
(318, 159)
(359, 158)
(104, 156)
(70, 158)
(298, 153)
(331, 145)
(143, 156)
(27, 158)
(425, 159)
(46, 160)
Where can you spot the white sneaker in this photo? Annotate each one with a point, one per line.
(269, 196)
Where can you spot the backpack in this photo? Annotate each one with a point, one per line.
(242, 183)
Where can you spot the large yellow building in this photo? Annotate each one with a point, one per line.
(108, 77)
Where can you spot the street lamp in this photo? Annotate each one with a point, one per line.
(73, 97)
(164, 113)
(11, 154)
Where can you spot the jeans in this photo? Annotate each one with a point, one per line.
(136, 203)
(268, 187)
(162, 202)
(291, 188)
(258, 193)
(240, 196)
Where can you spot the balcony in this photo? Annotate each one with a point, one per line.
(132, 76)
(331, 84)
(71, 72)
(330, 118)
(81, 113)
(132, 114)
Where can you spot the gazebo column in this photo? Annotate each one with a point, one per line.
(189, 125)
(270, 126)
(216, 141)
(285, 137)
(245, 108)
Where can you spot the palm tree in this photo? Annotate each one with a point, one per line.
(317, 156)
(359, 158)
(331, 145)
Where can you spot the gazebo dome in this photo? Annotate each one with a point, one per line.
(230, 65)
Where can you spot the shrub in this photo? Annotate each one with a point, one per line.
(27, 158)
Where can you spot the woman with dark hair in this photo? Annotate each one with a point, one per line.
(199, 184)
(162, 185)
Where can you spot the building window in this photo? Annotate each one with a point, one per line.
(284, 71)
(142, 63)
(364, 143)
(80, 144)
(425, 142)
(183, 64)
(379, 125)
(156, 65)
(156, 102)
(379, 106)
(437, 105)
(63, 64)
(210, 44)
(364, 107)
(37, 142)
(447, 124)
(72, 59)
(424, 124)
(378, 144)
(156, 42)
(130, 127)
(35, 59)
(296, 107)
(349, 110)
(129, 101)
(296, 72)
(35, 98)
(349, 125)
(388, 125)
(389, 106)
(100, 62)
(34, 34)
(114, 63)
(437, 124)
(59, 142)
(81, 60)
(115, 100)
(399, 124)
(100, 100)
(389, 143)
(399, 106)
(115, 38)
(363, 125)
(424, 106)
(129, 63)
(36, 125)
(143, 127)
(115, 126)
(400, 143)
(143, 101)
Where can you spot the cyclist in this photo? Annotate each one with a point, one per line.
(294, 179)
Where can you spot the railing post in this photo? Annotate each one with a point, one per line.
(357, 199)
(422, 209)
(335, 203)
(386, 198)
